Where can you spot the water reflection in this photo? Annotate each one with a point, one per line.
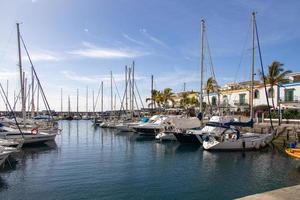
(87, 162)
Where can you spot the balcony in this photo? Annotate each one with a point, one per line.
(292, 99)
(240, 103)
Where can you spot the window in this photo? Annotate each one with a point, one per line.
(214, 101)
(242, 99)
(270, 93)
(225, 99)
(256, 94)
(289, 95)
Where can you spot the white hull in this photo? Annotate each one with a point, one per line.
(165, 137)
(248, 141)
(28, 137)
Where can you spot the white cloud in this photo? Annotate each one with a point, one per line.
(6, 75)
(152, 38)
(86, 30)
(133, 40)
(43, 56)
(96, 78)
(93, 51)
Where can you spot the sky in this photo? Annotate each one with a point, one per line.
(76, 43)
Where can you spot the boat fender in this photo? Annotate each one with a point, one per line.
(244, 145)
(34, 131)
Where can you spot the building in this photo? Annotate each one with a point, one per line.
(237, 95)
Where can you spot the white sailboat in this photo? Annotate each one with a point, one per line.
(10, 129)
(231, 138)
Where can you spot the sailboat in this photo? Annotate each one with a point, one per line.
(195, 136)
(231, 138)
(32, 133)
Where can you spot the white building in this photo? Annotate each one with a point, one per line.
(237, 95)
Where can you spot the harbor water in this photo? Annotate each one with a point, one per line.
(88, 162)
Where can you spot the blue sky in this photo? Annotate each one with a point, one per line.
(75, 43)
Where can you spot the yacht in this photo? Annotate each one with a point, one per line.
(29, 137)
(177, 124)
(152, 127)
(195, 136)
(232, 139)
(128, 126)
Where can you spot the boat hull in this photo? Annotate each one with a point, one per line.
(187, 138)
(293, 152)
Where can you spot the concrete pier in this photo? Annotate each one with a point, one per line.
(283, 193)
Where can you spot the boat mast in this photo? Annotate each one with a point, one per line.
(61, 101)
(252, 67)
(32, 93)
(111, 91)
(38, 99)
(93, 103)
(101, 97)
(126, 84)
(87, 100)
(152, 100)
(21, 75)
(69, 105)
(133, 96)
(201, 70)
(77, 102)
(6, 105)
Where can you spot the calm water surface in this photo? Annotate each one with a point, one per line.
(94, 163)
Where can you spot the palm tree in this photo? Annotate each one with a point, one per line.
(194, 102)
(211, 86)
(167, 95)
(184, 100)
(156, 98)
(276, 74)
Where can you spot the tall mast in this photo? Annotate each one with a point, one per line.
(252, 67)
(132, 99)
(93, 102)
(201, 70)
(6, 104)
(101, 97)
(111, 91)
(152, 101)
(61, 100)
(38, 99)
(87, 100)
(69, 105)
(126, 84)
(115, 102)
(21, 74)
(77, 102)
(32, 93)
(129, 85)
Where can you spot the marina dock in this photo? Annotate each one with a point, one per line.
(292, 192)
